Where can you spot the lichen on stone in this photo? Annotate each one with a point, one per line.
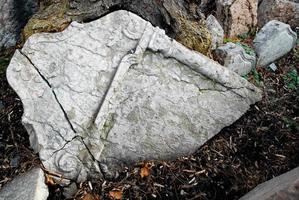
(107, 126)
(195, 36)
(192, 33)
(50, 18)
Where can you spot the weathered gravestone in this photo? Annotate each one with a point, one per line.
(117, 90)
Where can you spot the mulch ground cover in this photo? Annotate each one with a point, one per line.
(262, 144)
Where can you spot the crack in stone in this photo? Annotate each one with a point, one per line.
(50, 125)
(93, 158)
(66, 117)
(53, 92)
(229, 89)
(67, 142)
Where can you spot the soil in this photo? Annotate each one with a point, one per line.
(262, 144)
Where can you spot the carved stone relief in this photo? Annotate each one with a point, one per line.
(117, 90)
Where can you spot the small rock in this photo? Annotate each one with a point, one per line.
(283, 187)
(236, 17)
(15, 161)
(29, 186)
(216, 31)
(281, 10)
(235, 58)
(273, 41)
(273, 67)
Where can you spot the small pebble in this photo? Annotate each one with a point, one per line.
(273, 67)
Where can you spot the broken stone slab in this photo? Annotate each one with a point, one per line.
(280, 10)
(235, 58)
(273, 41)
(105, 94)
(216, 31)
(13, 17)
(28, 186)
(283, 187)
(237, 17)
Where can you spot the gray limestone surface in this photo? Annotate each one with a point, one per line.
(104, 94)
(273, 41)
(235, 58)
(29, 186)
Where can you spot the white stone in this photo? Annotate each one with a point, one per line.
(235, 58)
(117, 90)
(273, 67)
(216, 31)
(29, 186)
(273, 41)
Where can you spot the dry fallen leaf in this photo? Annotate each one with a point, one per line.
(89, 196)
(145, 171)
(50, 180)
(116, 194)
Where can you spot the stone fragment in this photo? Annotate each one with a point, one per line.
(283, 187)
(235, 58)
(273, 41)
(236, 17)
(280, 10)
(180, 18)
(102, 95)
(216, 31)
(29, 186)
(13, 17)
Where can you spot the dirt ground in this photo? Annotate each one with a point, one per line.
(262, 144)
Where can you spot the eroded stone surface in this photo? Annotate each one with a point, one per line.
(281, 10)
(30, 185)
(273, 41)
(117, 90)
(235, 58)
(237, 17)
